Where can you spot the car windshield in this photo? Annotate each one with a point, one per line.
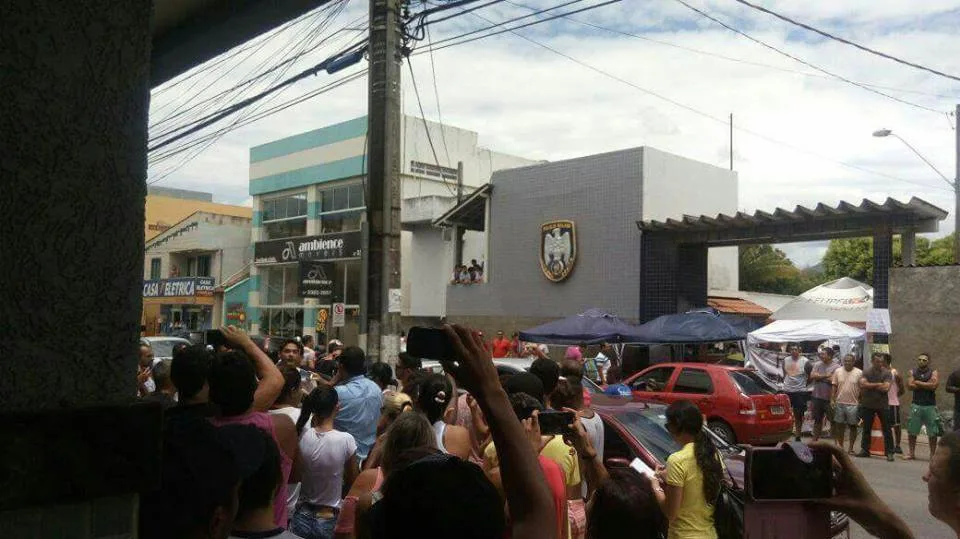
(749, 383)
(163, 348)
(649, 427)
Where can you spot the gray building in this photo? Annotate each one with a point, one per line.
(604, 196)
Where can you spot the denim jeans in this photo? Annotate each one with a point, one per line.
(308, 526)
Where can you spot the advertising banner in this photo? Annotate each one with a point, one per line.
(334, 246)
(317, 280)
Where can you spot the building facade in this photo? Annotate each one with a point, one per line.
(166, 206)
(185, 267)
(603, 196)
(309, 210)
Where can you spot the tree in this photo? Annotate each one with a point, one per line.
(764, 268)
(854, 257)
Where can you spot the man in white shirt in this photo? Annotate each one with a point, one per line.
(796, 370)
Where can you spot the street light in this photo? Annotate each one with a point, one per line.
(954, 184)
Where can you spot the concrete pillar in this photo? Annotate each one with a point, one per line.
(908, 247)
(73, 132)
(659, 291)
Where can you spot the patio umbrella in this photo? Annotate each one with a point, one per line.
(592, 326)
(845, 299)
(692, 327)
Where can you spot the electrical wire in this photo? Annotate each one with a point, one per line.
(710, 116)
(731, 58)
(436, 95)
(804, 62)
(492, 26)
(847, 41)
(416, 91)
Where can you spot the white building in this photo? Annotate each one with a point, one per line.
(310, 186)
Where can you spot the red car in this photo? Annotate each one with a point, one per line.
(739, 406)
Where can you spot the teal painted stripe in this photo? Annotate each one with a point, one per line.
(311, 139)
(309, 317)
(313, 210)
(257, 218)
(335, 170)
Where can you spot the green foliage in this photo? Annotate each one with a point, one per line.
(854, 257)
(764, 268)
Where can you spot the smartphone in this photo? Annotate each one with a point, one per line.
(779, 473)
(554, 422)
(430, 343)
(214, 338)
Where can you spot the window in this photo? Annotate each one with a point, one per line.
(694, 381)
(198, 266)
(279, 285)
(750, 383)
(654, 380)
(285, 217)
(426, 169)
(279, 322)
(341, 208)
(155, 269)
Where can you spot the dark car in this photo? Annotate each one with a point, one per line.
(638, 430)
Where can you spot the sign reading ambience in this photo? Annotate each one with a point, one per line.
(334, 246)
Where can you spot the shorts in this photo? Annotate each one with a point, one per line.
(847, 414)
(923, 416)
(894, 411)
(821, 409)
(799, 401)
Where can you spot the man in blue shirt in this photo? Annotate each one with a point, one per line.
(614, 386)
(360, 401)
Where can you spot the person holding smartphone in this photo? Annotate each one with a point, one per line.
(692, 478)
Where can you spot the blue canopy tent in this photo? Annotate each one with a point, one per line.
(694, 327)
(589, 327)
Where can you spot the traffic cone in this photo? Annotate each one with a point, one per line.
(876, 439)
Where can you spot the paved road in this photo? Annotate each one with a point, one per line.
(901, 486)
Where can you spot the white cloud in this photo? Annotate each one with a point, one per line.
(528, 101)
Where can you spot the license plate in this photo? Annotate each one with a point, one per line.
(777, 410)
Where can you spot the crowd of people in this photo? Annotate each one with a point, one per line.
(284, 447)
(464, 274)
(854, 399)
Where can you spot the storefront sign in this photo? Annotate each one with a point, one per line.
(187, 286)
(323, 314)
(316, 280)
(338, 245)
(558, 249)
(236, 313)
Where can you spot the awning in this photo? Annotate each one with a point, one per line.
(471, 214)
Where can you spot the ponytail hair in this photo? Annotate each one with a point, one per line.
(683, 417)
(436, 392)
(321, 402)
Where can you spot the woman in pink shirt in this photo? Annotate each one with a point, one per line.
(893, 399)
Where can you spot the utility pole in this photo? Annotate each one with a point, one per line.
(458, 230)
(956, 190)
(383, 196)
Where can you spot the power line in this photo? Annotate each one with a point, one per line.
(731, 58)
(426, 128)
(512, 29)
(804, 62)
(847, 41)
(436, 95)
(515, 19)
(708, 115)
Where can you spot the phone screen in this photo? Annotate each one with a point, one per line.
(430, 343)
(778, 474)
(553, 422)
(215, 338)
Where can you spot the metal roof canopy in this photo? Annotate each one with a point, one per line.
(471, 214)
(802, 224)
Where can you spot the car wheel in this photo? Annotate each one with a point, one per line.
(723, 430)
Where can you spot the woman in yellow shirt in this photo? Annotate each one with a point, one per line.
(691, 480)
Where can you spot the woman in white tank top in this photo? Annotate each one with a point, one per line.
(436, 392)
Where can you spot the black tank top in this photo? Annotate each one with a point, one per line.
(923, 397)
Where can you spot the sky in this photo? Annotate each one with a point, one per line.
(641, 72)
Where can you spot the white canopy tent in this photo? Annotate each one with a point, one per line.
(768, 362)
(846, 300)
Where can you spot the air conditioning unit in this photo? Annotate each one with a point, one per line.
(447, 234)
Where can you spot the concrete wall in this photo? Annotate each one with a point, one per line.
(426, 272)
(226, 238)
(601, 194)
(674, 186)
(166, 211)
(925, 315)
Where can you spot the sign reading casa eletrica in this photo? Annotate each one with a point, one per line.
(338, 245)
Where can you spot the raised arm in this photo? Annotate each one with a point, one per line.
(593, 469)
(271, 381)
(531, 506)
